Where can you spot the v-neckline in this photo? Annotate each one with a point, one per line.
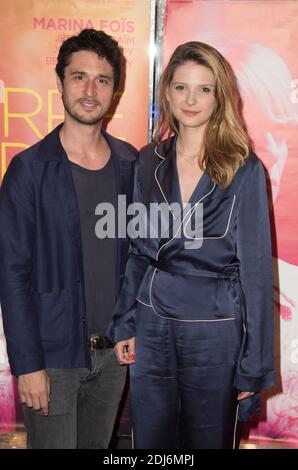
(196, 188)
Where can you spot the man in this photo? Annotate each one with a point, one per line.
(58, 280)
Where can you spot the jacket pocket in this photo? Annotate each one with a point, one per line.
(52, 309)
(218, 213)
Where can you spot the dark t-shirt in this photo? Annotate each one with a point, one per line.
(99, 255)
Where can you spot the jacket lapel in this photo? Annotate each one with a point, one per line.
(167, 179)
(166, 176)
(52, 151)
(69, 203)
(123, 164)
(168, 188)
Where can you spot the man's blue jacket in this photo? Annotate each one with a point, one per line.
(41, 269)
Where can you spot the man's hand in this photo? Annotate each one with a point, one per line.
(243, 395)
(125, 351)
(34, 390)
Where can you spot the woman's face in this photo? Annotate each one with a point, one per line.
(191, 95)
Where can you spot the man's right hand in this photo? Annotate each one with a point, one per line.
(34, 390)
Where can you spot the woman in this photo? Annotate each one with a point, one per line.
(195, 316)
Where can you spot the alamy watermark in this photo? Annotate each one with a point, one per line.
(155, 221)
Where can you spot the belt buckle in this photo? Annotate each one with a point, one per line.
(94, 343)
(98, 342)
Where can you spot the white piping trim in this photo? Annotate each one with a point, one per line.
(132, 439)
(176, 319)
(157, 255)
(235, 426)
(210, 238)
(156, 153)
(160, 188)
(147, 305)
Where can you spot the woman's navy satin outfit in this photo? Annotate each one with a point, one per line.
(202, 316)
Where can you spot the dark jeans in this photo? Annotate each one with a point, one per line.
(83, 406)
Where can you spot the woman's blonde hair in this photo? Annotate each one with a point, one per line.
(226, 142)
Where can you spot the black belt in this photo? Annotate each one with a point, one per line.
(98, 342)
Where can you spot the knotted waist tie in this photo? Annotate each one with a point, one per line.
(231, 272)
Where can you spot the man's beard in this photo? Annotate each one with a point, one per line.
(89, 121)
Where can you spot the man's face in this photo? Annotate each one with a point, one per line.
(87, 89)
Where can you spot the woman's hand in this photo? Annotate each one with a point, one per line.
(243, 395)
(125, 351)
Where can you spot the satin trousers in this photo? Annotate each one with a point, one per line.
(181, 385)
